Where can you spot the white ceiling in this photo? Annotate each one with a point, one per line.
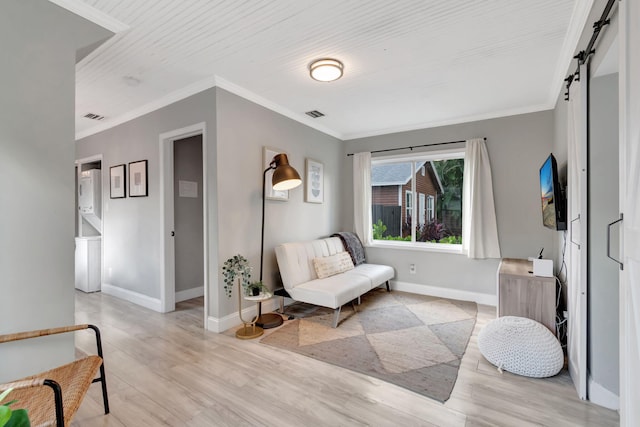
(408, 63)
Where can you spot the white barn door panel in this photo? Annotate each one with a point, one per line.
(630, 207)
(577, 257)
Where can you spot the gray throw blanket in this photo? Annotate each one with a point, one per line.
(353, 245)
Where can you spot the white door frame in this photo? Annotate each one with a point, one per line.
(167, 254)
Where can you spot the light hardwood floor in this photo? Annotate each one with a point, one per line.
(165, 369)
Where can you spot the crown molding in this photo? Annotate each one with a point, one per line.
(149, 107)
(257, 99)
(193, 89)
(92, 14)
(454, 121)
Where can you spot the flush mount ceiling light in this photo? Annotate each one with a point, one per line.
(326, 70)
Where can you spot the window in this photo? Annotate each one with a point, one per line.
(430, 208)
(434, 216)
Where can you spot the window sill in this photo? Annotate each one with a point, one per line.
(423, 247)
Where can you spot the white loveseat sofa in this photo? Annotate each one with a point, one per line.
(301, 281)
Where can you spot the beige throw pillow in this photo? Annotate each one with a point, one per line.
(333, 264)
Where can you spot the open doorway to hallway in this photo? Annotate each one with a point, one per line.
(184, 227)
(188, 221)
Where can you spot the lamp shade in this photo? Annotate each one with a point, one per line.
(285, 177)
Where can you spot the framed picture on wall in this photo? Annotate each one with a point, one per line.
(268, 153)
(314, 181)
(138, 185)
(118, 181)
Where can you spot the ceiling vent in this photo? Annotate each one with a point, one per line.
(314, 113)
(93, 116)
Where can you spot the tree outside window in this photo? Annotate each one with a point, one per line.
(437, 179)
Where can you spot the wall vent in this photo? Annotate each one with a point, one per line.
(93, 116)
(314, 113)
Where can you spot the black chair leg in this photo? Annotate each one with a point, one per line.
(102, 379)
(388, 290)
(57, 396)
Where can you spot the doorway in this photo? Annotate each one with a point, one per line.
(188, 218)
(603, 204)
(183, 193)
(88, 224)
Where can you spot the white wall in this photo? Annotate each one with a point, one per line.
(38, 42)
(517, 145)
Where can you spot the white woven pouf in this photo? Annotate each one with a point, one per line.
(521, 346)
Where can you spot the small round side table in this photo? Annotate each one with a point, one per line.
(250, 330)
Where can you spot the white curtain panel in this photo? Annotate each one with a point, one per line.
(574, 306)
(479, 225)
(362, 197)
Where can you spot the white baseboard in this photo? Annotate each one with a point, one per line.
(601, 396)
(485, 299)
(134, 297)
(215, 324)
(196, 292)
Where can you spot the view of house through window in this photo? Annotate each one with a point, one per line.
(418, 198)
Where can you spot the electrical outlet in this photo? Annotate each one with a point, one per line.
(412, 268)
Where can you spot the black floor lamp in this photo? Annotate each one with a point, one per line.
(285, 177)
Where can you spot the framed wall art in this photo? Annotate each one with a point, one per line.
(314, 181)
(267, 155)
(138, 184)
(118, 181)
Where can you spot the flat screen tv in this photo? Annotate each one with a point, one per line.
(554, 207)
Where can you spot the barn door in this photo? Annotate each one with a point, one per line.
(629, 36)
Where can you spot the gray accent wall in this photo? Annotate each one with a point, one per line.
(517, 146)
(38, 41)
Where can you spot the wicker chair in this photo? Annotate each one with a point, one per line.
(69, 383)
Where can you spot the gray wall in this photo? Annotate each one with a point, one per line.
(188, 220)
(517, 145)
(38, 41)
(244, 128)
(237, 131)
(131, 226)
(603, 345)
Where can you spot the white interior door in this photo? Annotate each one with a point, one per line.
(629, 37)
(577, 259)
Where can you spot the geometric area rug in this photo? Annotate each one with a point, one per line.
(413, 341)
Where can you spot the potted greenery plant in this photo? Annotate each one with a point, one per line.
(256, 288)
(236, 267)
(12, 418)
